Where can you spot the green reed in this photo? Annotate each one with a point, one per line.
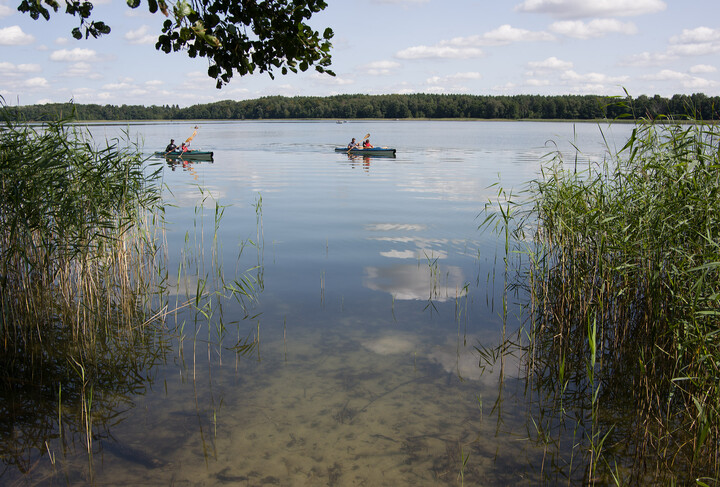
(81, 283)
(77, 237)
(205, 288)
(622, 274)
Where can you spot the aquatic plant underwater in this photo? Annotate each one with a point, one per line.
(619, 261)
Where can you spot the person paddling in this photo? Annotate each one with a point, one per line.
(353, 144)
(171, 146)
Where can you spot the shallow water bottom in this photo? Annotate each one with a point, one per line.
(330, 409)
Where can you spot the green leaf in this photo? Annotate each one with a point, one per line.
(185, 34)
(183, 9)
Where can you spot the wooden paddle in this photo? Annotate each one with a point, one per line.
(367, 136)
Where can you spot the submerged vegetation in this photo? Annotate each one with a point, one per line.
(621, 262)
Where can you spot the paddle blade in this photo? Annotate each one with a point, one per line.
(193, 135)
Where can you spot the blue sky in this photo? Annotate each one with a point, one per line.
(481, 47)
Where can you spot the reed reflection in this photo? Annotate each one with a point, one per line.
(54, 407)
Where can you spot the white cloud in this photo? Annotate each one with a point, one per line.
(506, 34)
(691, 42)
(36, 83)
(197, 75)
(550, 64)
(469, 47)
(592, 78)
(428, 52)
(61, 41)
(666, 75)
(74, 55)
(694, 49)
(703, 68)
(331, 80)
(686, 81)
(695, 42)
(379, 68)
(538, 82)
(595, 28)
(560, 75)
(6, 11)
(576, 9)
(81, 70)
(698, 84)
(503, 35)
(454, 78)
(236, 92)
(14, 36)
(645, 59)
(697, 35)
(140, 36)
(434, 89)
(12, 70)
(117, 86)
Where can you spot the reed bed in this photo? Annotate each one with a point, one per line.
(621, 263)
(85, 291)
(79, 263)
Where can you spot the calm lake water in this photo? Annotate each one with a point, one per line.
(373, 290)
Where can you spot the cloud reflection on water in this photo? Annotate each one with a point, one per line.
(427, 279)
(416, 281)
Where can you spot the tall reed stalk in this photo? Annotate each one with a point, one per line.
(79, 263)
(624, 281)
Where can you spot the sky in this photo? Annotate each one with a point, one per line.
(477, 47)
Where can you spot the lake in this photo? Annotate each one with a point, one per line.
(354, 357)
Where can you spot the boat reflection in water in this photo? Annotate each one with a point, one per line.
(186, 165)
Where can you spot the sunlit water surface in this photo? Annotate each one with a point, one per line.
(374, 291)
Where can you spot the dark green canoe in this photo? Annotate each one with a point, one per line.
(372, 151)
(191, 155)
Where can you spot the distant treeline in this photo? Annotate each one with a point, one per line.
(564, 107)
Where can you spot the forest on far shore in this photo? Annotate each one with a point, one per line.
(411, 106)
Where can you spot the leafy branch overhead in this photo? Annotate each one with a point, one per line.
(234, 35)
